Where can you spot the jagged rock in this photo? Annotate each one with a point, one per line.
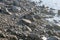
(55, 21)
(29, 16)
(5, 10)
(2, 35)
(12, 37)
(20, 39)
(49, 26)
(34, 36)
(44, 38)
(37, 17)
(58, 12)
(52, 38)
(29, 29)
(16, 9)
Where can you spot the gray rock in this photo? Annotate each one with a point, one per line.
(34, 36)
(2, 35)
(52, 38)
(27, 21)
(3, 39)
(16, 9)
(12, 37)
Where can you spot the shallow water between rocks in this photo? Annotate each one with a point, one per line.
(55, 4)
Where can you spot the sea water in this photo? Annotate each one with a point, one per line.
(55, 4)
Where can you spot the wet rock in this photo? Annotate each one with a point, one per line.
(16, 9)
(50, 33)
(34, 36)
(20, 39)
(44, 38)
(8, 12)
(55, 21)
(16, 3)
(37, 17)
(49, 26)
(12, 37)
(2, 35)
(56, 27)
(11, 32)
(58, 12)
(52, 38)
(29, 16)
(1, 0)
(29, 29)
(27, 21)
(5, 10)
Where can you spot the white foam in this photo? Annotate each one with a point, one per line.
(55, 4)
(51, 3)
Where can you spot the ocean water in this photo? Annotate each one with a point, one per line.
(55, 4)
(50, 3)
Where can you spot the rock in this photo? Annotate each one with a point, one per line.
(27, 21)
(5, 10)
(12, 37)
(29, 29)
(58, 12)
(16, 3)
(29, 16)
(55, 21)
(10, 31)
(50, 33)
(8, 12)
(52, 38)
(1, 0)
(49, 26)
(2, 35)
(34, 36)
(3, 39)
(37, 17)
(16, 9)
(20, 39)
(7, 2)
(44, 38)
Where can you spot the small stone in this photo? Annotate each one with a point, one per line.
(8, 12)
(29, 29)
(37, 17)
(27, 21)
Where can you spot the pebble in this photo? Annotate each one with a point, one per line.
(29, 29)
(34, 36)
(27, 21)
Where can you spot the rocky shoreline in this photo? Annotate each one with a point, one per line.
(23, 20)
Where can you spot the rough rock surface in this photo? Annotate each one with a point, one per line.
(23, 20)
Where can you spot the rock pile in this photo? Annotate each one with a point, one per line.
(23, 20)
